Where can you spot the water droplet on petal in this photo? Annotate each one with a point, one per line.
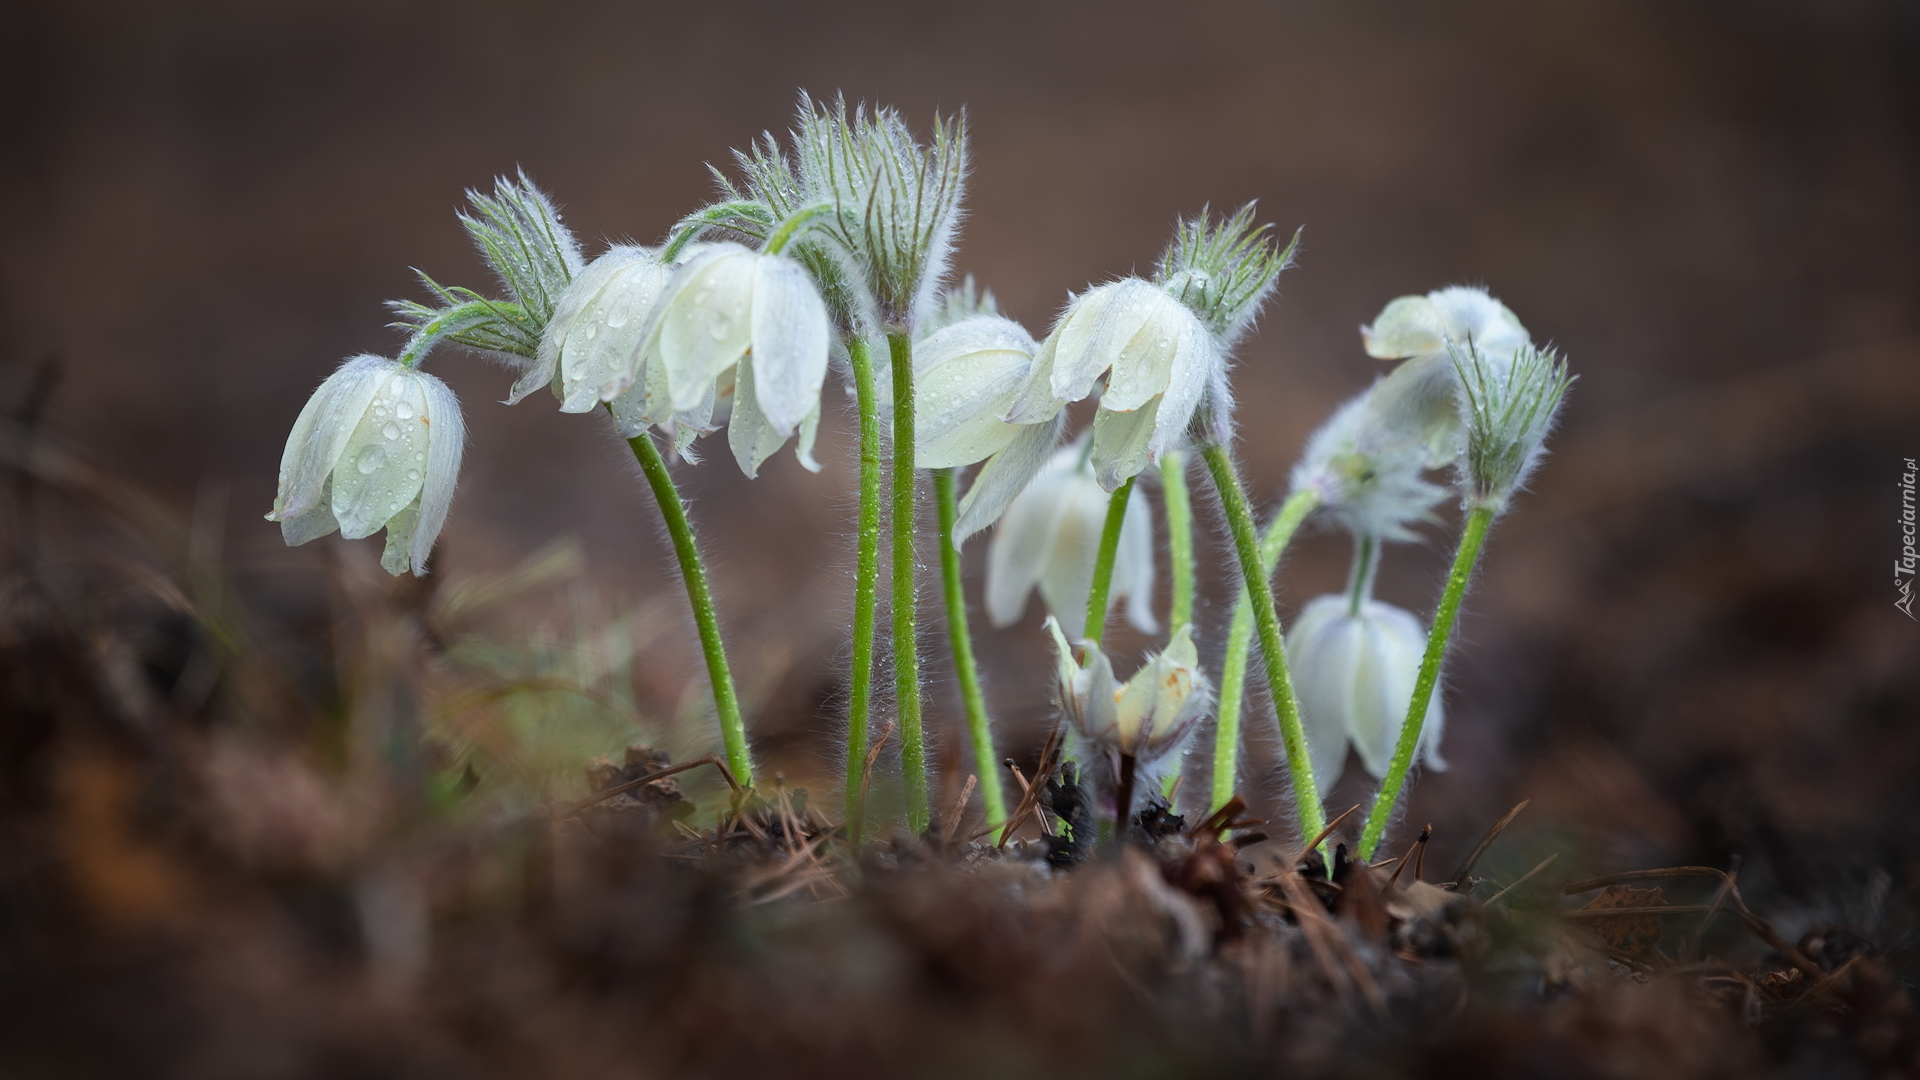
(391, 431)
(404, 410)
(616, 318)
(370, 459)
(420, 457)
(413, 474)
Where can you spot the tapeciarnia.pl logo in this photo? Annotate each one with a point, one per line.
(1903, 567)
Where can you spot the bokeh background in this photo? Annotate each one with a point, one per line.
(1683, 645)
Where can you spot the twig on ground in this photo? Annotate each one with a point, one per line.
(1480, 849)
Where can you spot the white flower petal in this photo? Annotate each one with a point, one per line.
(1199, 358)
(395, 557)
(1123, 443)
(702, 324)
(1021, 542)
(809, 430)
(1133, 564)
(790, 334)
(1470, 314)
(446, 444)
(1066, 575)
(1149, 360)
(1035, 402)
(1097, 327)
(319, 437)
(1407, 326)
(1322, 653)
(313, 524)
(957, 405)
(750, 435)
(601, 348)
(1005, 475)
(380, 470)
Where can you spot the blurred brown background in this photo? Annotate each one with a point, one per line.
(1684, 639)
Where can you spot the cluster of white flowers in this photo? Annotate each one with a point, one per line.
(1473, 395)
(820, 249)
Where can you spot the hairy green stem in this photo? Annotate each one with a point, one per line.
(1103, 563)
(732, 729)
(1366, 562)
(979, 728)
(1233, 503)
(1233, 669)
(866, 578)
(1179, 510)
(906, 646)
(1472, 538)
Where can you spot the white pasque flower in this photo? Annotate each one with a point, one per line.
(1366, 467)
(377, 446)
(965, 376)
(1150, 717)
(1159, 359)
(590, 352)
(1421, 396)
(1050, 537)
(728, 304)
(1354, 675)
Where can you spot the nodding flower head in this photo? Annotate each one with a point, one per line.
(377, 446)
(1159, 360)
(1422, 395)
(1354, 670)
(1151, 717)
(966, 374)
(1162, 344)
(1050, 537)
(591, 351)
(730, 311)
(1366, 469)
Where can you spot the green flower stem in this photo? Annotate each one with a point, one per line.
(1179, 509)
(1472, 538)
(906, 647)
(979, 728)
(700, 598)
(866, 578)
(1233, 669)
(1103, 563)
(1233, 502)
(1366, 562)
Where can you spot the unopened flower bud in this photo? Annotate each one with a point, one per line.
(1508, 410)
(1151, 717)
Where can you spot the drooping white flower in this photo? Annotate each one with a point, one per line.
(728, 304)
(1159, 360)
(1366, 467)
(1421, 396)
(965, 376)
(1050, 537)
(1151, 717)
(591, 351)
(377, 446)
(1354, 673)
